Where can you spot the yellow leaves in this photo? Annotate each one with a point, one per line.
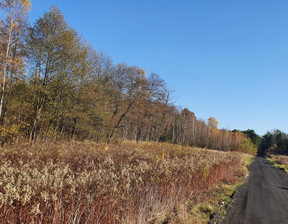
(9, 131)
(212, 122)
(26, 5)
(141, 71)
(246, 145)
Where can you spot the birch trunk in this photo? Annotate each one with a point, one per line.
(5, 69)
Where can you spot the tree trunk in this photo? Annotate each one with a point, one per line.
(5, 71)
(119, 121)
(139, 133)
(125, 132)
(32, 136)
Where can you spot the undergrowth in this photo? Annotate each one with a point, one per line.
(86, 182)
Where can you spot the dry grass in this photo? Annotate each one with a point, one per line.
(85, 182)
(283, 160)
(280, 161)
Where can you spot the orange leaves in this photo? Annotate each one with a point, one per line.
(212, 122)
(24, 5)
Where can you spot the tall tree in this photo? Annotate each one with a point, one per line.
(212, 122)
(55, 66)
(129, 87)
(256, 139)
(268, 141)
(12, 32)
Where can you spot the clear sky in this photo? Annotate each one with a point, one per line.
(226, 58)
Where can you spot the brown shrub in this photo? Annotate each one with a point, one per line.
(282, 160)
(86, 182)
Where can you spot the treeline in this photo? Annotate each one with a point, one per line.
(274, 142)
(54, 84)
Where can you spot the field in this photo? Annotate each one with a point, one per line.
(86, 182)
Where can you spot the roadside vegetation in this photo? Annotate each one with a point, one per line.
(86, 182)
(274, 145)
(220, 197)
(279, 161)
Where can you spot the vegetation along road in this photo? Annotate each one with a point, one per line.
(263, 199)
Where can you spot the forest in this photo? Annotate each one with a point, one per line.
(274, 142)
(54, 85)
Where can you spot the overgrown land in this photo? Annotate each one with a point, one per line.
(87, 182)
(84, 140)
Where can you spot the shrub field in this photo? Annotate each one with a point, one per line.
(85, 182)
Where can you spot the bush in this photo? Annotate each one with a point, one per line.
(247, 146)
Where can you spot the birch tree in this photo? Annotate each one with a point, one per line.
(13, 25)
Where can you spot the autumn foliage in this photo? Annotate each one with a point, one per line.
(68, 90)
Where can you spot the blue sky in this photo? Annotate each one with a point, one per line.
(225, 58)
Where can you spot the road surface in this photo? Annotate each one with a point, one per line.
(263, 199)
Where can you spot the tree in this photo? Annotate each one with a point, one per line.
(129, 87)
(188, 126)
(281, 141)
(56, 59)
(268, 141)
(12, 42)
(74, 91)
(247, 146)
(212, 122)
(256, 139)
(91, 115)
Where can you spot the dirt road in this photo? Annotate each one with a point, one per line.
(263, 199)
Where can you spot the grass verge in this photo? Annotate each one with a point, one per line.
(213, 208)
(280, 162)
